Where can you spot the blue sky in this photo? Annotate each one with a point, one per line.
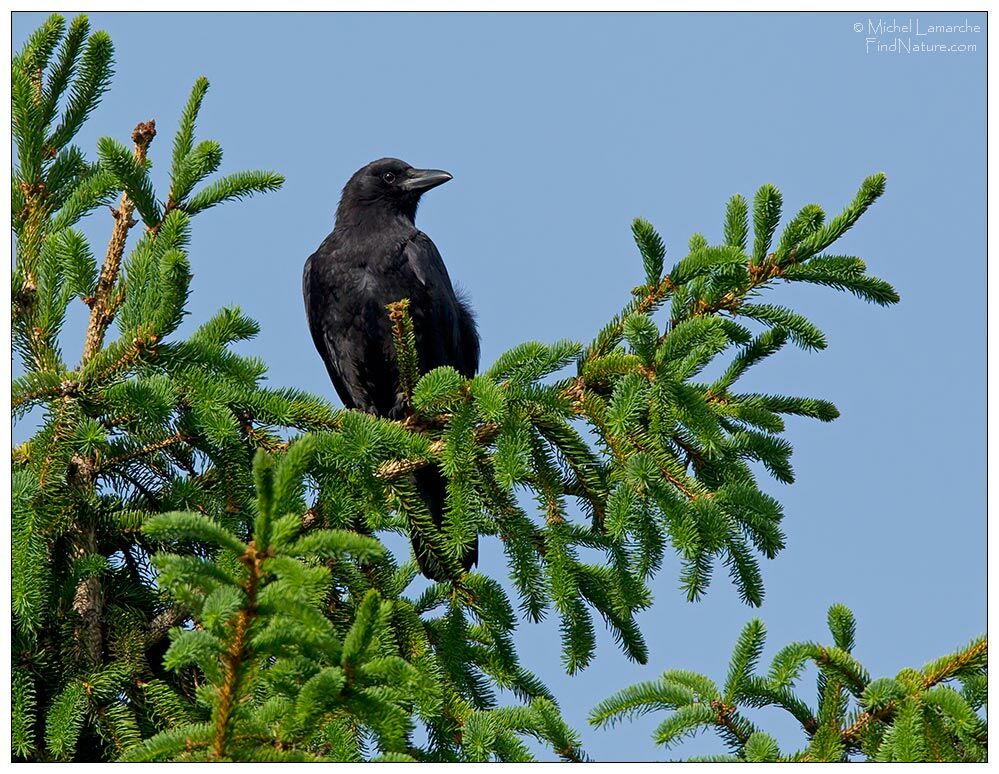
(559, 130)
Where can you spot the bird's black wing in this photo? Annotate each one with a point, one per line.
(444, 325)
(445, 335)
(318, 307)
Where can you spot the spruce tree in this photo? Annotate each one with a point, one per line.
(198, 570)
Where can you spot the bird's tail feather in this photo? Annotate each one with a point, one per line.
(432, 486)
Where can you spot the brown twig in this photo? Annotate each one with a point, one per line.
(852, 733)
(723, 718)
(759, 274)
(655, 295)
(67, 388)
(149, 448)
(959, 661)
(405, 346)
(396, 468)
(236, 654)
(105, 301)
(142, 346)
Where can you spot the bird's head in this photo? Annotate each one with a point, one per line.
(389, 186)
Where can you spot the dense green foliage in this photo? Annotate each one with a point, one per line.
(293, 673)
(197, 566)
(929, 714)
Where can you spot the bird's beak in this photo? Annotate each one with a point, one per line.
(424, 179)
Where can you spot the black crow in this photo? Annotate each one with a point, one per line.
(375, 256)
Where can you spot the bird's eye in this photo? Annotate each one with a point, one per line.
(388, 177)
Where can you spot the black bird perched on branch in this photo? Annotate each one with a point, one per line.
(376, 256)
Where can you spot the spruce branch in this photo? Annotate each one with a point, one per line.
(853, 735)
(404, 340)
(233, 659)
(131, 172)
(105, 300)
(92, 78)
(726, 718)
(184, 139)
(393, 469)
(879, 726)
(975, 654)
(141, 452)
(236, 186)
